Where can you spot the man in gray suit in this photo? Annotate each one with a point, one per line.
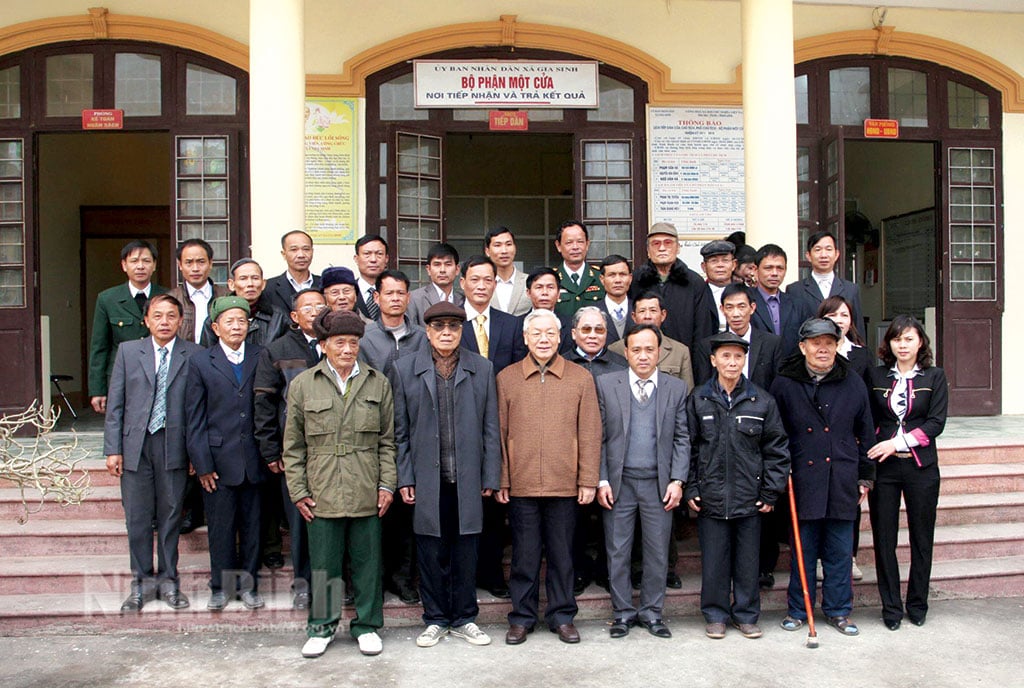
(144, 442)
(510, 284)
(443, 270)
(645, 458)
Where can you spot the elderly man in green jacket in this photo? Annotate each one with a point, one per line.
(339, 462)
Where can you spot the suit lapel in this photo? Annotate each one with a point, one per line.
(147, 359)
(127, 301)
(755, 349)
(178, 357)
(221, 364)
(425, 370)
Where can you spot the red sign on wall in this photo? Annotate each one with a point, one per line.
(881, 128)
(103, 119)
(505, 120)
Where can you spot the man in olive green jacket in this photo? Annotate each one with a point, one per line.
(339, 462)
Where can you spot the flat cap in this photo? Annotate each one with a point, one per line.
(663, 228)
(226, 303)
(443, 309)
(817, 327)
(718, 247)
(332, 323)
(727, 339)
(337, 275)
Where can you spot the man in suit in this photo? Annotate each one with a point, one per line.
(497, 336)
(765, 355)
(297, 249)
(616, 279)
(223, 449)
(442, 270)
(371, 260)
(823, 255)
(144, 442)
(718, 264)
(776, 311)
(118, 316)
(449, 460)
(510, 283)
(579, 284)
(674, 359)
(278, 365)
(195, 261)
(645, 458)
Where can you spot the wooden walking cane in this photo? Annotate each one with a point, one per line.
(812, 636)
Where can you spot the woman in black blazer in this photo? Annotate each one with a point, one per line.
(908, 401)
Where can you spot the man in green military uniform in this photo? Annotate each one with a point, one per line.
(579, 284)
(339, 462)
(119, 315)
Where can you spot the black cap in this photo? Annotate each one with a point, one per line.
(727, 339)
(443, 309)
(337, 275)
(718, 247)
(817, 327)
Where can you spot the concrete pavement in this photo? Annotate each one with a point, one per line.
(964, 643)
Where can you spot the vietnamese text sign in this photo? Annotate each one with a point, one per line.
(504, 120)
(696, 170)
(331, 166)
(511, 83)
(881, 128)
(103, 119)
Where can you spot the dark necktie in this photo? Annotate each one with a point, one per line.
(312, 347)
(140, 299)
(158, 416)
(575, 279)
(372, 309)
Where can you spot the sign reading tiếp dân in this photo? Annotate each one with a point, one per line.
(504, 120)
(494, 83)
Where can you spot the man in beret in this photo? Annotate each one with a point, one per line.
(223, 450)
(449, 459)
(738, 470)
(826, 414)
(718, 263)
(339, 462)
(339, 288)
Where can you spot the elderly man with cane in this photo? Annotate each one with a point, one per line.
(828, 419)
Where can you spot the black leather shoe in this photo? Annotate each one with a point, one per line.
(218, 600)
(917, 621)
(273, 561)
(175, 599)
(188, 523)
(892, 625)
(635, 578)
(579, 585)
(349, 599)
(657, 628)
(673, 580)
(133, 604)
(766, 581)
(500, 591)
(408, 594)
(620, 628)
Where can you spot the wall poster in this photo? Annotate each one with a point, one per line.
(332, 154)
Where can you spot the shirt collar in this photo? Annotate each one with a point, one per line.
(766, 296)
(296, 285)
(895, 373)
(343, 384)
(233, 357)
(145, 290)
(169, 346)
(633, 377)
(206, 290)
(511, 278)
(471, 312)
(364, 286)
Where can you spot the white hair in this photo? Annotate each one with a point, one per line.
(540, 313)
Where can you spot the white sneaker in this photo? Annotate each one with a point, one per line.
(472, 634)
(370, 644)
(855, 570)
(431, 636)
(315, 647)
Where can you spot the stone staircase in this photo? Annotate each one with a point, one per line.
(66, 569)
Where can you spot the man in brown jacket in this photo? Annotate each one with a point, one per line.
(551, 454)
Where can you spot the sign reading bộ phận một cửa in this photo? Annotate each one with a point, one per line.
(501, 83)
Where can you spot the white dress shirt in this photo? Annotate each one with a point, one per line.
(652, 380)
(441, 296)
(824, 283)
(503, 290)
(200, 298)
(156, 352)
(471, 314)
(145, 290)
(234, 357)
(296, 285)
(364, 289)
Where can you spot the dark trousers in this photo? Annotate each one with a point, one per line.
(542, 525)
(271, 513)
(920, 490)
(729, 568)
(775, 529)
(830, 540)
(153, 493)
(490, 565)
(299, 542)
(399, 545)
(329, 540)
(638, 502)
(447, 566)
(193, 507)
(233, 515)
(588, 551)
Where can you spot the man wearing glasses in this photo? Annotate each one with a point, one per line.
(278, 365)
(449, 461)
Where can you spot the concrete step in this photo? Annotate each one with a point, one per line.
(982, 477)
(42, 537)
(100, 503)
(99, 611)
(959, 452)
(975, 541)
(958, 509)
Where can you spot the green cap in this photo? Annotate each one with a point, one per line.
(226, 303)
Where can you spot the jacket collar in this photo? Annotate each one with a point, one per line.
(529, 366)
(795, 368)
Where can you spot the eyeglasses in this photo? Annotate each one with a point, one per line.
(591, 329)
(307, 310)
(441, 325)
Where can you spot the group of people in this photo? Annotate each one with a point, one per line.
(403, 436)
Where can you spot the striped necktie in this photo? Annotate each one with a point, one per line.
(158, 417)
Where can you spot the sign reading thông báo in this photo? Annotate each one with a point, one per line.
(497, 83)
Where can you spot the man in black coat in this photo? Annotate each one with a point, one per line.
(776, 311)
(828, 420)
(738, 470)
(297, 250)
(682, 290)
(765, 349)
(222, 447)
(278, 365)
(823, 255)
